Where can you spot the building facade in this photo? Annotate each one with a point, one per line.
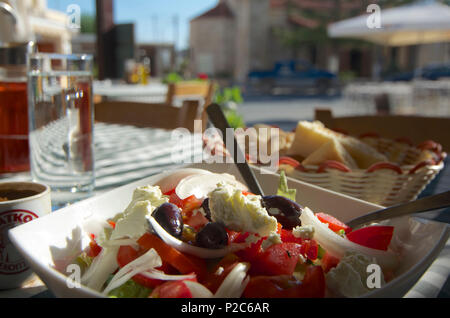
(50, 29)
(238, 36)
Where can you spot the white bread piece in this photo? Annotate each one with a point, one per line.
(310, 136)
(362, 153)
(332, 150)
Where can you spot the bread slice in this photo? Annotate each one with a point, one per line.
(362, 153)
(309, 136)
(332, 150)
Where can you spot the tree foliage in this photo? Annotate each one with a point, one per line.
(88, 24)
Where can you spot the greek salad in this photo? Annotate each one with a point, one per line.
(201, 234)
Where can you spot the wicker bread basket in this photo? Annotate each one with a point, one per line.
(408, 172)
(402, 179)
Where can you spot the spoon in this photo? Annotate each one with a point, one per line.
(426, 204)
(218, 119)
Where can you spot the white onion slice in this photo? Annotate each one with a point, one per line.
(171, 181)
(202, 184)
(146, 262)
(337, 245)
(198, 290)
(156, 274)
(191, 249)
(234, 284)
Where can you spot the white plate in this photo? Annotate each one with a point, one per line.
(51, 242)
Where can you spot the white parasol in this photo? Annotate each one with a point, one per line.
(419, 23)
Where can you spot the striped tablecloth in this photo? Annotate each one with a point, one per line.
(126, 153)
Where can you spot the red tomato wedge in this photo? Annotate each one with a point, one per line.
(278, 259)
(284, 286)
(288, 237)
(94, 248)
(174, 289)
(191, 203)
(328, 262)
(250, 253)
(310, 249)
(196, 220)
(215, 278)
(127, 254)
(334, 224)
(376, 236)
(183, 263)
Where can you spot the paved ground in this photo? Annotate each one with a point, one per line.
(286, 111)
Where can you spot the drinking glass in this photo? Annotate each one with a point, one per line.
(61, 125)
(14, 153)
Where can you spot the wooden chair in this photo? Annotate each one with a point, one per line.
(415, 128)
(188, 90)
(161, 115)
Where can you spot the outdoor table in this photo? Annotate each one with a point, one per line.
(126, 153)
(153, 92)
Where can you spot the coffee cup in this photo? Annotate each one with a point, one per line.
(20, 202)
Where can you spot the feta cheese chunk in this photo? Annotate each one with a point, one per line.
(272, 239)
(349, 277)
(240, 213)
(132, 223)
(305, 232)
(152, 194)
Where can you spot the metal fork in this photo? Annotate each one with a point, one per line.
(433, 202)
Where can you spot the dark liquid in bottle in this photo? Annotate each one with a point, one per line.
(14, 151)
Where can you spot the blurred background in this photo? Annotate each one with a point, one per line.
(273, 61)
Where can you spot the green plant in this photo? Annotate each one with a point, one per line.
(229, 94)
(228, 98)
(172, 78)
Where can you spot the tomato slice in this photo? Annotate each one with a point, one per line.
(215, 278)
(285, 286)
(376, 236)
(191, 203)
(310, 249)
(313, 285)
(94, 249)
(127, 254)
(173, 289)
(334, 224)
(267, 286)
(328, 262)
(288, 237)
(183, 263)
(278, 259)
(237, 237)
(250, 253)
(175, 199)
(195, 220)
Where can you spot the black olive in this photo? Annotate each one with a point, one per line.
(286, 211)
(205, 206)
(169, 216)
(212, 235)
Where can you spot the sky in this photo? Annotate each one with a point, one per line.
(155, 20)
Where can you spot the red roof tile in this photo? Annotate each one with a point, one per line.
(221, 10)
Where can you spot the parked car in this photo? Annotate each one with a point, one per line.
(430, 72)
(295, 75)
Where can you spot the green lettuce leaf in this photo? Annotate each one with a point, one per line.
(283, 189)
(130, 289)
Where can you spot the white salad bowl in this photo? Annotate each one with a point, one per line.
(51, 242)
